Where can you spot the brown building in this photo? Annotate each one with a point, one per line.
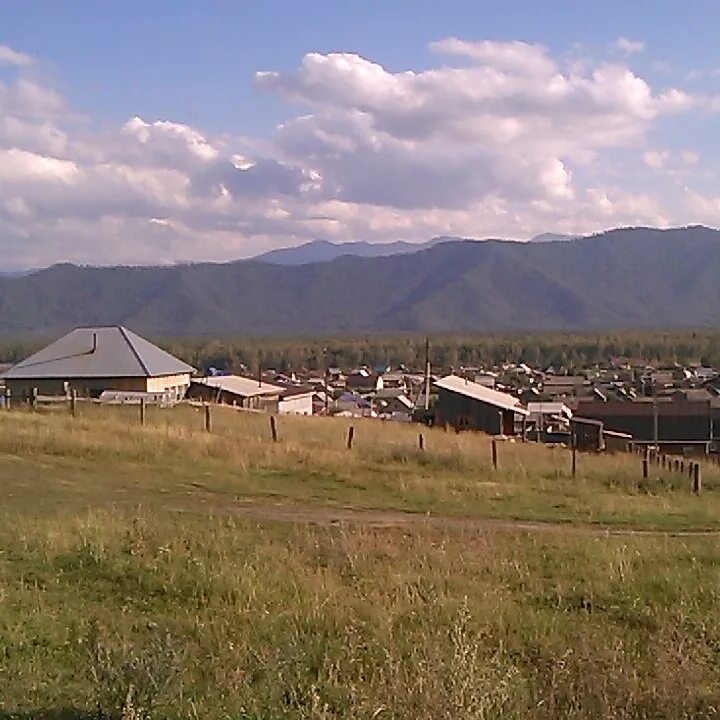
(676, 420)
(465, 405)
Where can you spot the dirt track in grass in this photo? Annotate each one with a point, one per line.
(326, 516)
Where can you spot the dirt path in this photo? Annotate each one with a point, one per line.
(327, 516)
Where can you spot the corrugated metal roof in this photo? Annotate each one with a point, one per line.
(238, 385)
(459, 385)
(99, 352)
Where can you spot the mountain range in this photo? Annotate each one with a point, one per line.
(626, 278)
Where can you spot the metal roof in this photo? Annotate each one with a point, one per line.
(98, 352)
(549, 408)
(461, 386)
(240, 386)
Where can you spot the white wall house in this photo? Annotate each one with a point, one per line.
(296, 404)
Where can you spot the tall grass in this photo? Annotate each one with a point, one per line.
(221, 619)
(129, 587)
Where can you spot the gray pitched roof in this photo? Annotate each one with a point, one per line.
(111, 351)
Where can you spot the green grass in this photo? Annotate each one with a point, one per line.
(130, 587)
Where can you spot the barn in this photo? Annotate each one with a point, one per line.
(92, 360)
(465, 405)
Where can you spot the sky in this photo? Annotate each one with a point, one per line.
(175, 131)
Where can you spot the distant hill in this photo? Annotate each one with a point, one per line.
(324, 251)
(629, 278)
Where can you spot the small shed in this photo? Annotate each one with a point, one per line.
(465, 405)
(587, 433)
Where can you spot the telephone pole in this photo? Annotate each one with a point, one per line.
(325, 377)
(427, 373)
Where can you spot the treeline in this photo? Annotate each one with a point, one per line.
(568, 351)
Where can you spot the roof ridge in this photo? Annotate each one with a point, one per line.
(124, 333)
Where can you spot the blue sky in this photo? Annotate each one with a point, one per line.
(142, 132)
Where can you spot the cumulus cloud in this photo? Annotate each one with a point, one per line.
(629, 47)
(498, 139)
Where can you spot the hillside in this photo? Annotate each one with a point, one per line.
(324, 251)
(164, 572)
(634, 278)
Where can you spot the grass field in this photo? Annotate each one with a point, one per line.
(132, 585)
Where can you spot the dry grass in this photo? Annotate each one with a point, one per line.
(128, 589)
(104, 457)
(218, 619)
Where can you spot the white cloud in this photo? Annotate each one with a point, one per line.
(655, 158)
(499, 139)
(629, 47)
(690, 157)
(8, 56)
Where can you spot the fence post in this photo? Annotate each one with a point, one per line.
(350, 436)
(73, 402)
(573, 447)
(524, 429)
(645, 468)
(208, 419)
(494, 454)
(421, 441)
(696, 480)
(273, 428)
(143, 411)
(8, 399)
(34, 398)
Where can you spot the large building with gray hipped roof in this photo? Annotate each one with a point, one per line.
(91, 360)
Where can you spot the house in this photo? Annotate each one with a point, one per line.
(351, 405)
(364, 381)
(555, 386)
(393, 403)
(237, 390)
(465, 405)
(91, 360)
(296, 401)
(547, 415)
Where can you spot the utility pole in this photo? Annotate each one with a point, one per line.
(325, 378)
(427, 373)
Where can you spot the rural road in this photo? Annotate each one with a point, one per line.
(323, 515)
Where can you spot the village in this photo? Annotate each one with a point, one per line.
(621, 403)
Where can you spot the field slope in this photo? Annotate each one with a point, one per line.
(168, 572)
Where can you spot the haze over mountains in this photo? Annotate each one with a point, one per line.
(628, 278)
